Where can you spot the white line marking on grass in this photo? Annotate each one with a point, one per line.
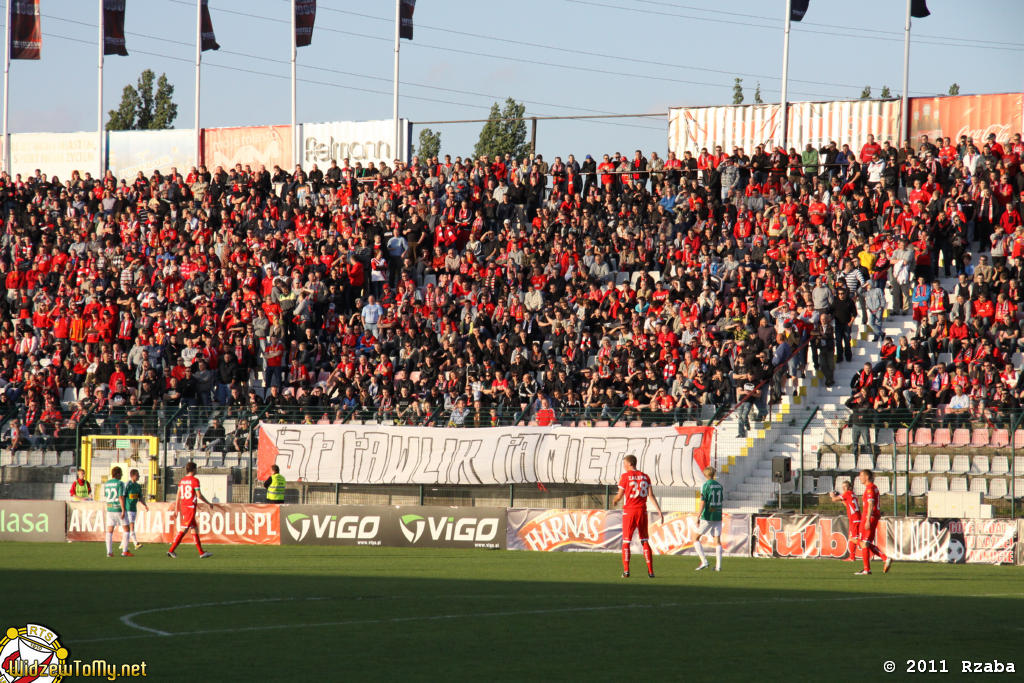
(128, 619)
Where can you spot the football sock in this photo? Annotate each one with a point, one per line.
(110, 542)
(625, 557)
(700, 552)
(199, 543)
(875, 551)
(867, 559)
(124, 541)
(718, 557)
(648, 557)
(134, 537)
(177, 540)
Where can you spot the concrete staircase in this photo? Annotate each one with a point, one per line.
(746, 463)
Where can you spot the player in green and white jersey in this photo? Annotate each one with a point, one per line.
(710, 515)
(133, 495)
(113, 498)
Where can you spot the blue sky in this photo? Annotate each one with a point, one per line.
(562, 57)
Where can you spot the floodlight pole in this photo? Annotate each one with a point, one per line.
(904, 114)
(785, 75)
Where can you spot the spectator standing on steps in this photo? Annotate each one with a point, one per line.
(843, 312)
(275, 485)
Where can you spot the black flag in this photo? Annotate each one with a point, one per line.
(113, 28)
(919, 9)
(798, 9)
(405, 30)
(305, 17)
(209, 41)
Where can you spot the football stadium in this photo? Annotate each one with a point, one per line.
(513, 365)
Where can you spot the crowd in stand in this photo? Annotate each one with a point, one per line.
(455, 291)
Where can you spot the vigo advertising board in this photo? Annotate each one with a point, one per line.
(393, 526)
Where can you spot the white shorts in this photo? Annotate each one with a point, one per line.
(130, 516)
(709, 528)
(115, 519)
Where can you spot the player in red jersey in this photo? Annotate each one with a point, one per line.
(189, 496)
(871, 512)
(635, 487)
(852, 513)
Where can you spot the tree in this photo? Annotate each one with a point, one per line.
(143, 109)
(757, 94)
(430, 144)
(504, 132)
(865, 94)
(886, 93)
(737, 91)
(954, 89)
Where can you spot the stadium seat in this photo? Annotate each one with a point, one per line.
(883, 462)
(828, 462)
(847, 462)
(941, 437)
(35, 458)
(961, 464)
(1000, 438)
(979, 464)
(958, 484)
(884, 437)
(979, 484)
(884, 485)
(1000, 465)
(858, 488)
(918, 486)
(602, 423)
(961, 437)
(636, 423)
(901, 436)
(923, 436)
(941, 464)
(1018, 464)
(979, 437)
(50, 458)
(846, 437)
(901, 484)
(946, 358)
(655, 275)
(1017, 490)
(901, 462)
(922, 463)
(823, 485)
(997, 488)
(938, 484)
(864, 462)
(810, 461)
(1018, 438)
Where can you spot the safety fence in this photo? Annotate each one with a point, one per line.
(957, 540)
(973, 455)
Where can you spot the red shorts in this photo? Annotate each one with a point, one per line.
(187, 518)
(634, 520)
(854, 528)
(867, 530)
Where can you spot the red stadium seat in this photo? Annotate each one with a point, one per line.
(942, 437)
(1000, 438)
(980, 437)
(923, 436)
(961, 437)
(901, 436)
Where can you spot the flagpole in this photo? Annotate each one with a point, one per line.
(785, 75)
(7, 87)
(398, 38)
(199, 59)
(904, 114)
(99, 100)
(295, 49)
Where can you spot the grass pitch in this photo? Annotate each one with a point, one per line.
(310, 614)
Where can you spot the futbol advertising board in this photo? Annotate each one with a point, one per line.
(800, 536)
(393, 526)
(601, 531)
(233, 523)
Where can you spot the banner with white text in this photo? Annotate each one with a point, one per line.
(231, 523)
(377, 454)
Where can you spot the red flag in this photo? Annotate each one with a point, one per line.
(209, 41)
(405, 29)
(113, 28)
(305, 15)
(26, 32)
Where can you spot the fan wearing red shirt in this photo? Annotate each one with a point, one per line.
(635, 488)
(849, 499)
(189, 496)
(870, 515)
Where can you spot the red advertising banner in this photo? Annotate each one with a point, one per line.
(253, 145)
(26, 32)
(601, 530)
(975, 116)
(801, 536)
(237, 524)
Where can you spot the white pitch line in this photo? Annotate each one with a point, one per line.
(127, 619)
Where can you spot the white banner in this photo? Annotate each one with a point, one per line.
(372, 454)
(362, 141)
(131, 151)
(55, 154)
